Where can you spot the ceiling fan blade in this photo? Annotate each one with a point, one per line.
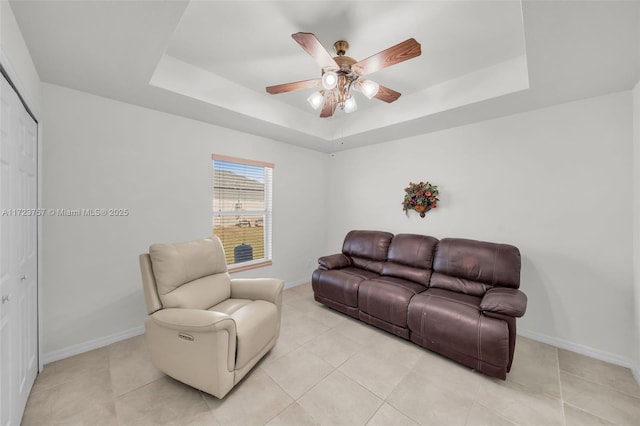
(329, 106)
(312, 46)
(387, 95)
(394, 55)
(291, 87)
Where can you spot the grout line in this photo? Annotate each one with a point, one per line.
(285, 408)
(145, 385)
(402, 412)
(382, 402)
(590, 413)
(496, 413)
(204, 400)
(564, 415)
(475, 401)
(597, 384)
(604, 385)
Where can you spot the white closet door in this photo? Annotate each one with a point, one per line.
(18, 255)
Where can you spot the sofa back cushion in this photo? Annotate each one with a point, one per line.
(410, 257)
(367, 249)
(192, 274)
(472, 267)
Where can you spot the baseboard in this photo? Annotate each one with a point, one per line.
(296, 283)
(113, 338)
(91, 345)
(636, 373)
(583, 350)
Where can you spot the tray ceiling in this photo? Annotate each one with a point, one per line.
(211, 60)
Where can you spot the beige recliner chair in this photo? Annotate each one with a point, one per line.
(205, 329)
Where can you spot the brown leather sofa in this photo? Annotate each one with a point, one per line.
(454, 296)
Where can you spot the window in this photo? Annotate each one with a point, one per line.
(242, 210)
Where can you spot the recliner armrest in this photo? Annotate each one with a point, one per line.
(193, 320)
(506, 301)
(213, 335)
(334, 261)
(269, 289)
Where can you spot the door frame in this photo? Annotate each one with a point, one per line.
(9, 72)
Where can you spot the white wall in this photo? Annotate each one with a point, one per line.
(636, 223)
(636, 215)
(102, 153)
(555, 182)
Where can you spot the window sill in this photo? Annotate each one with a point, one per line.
(232, 269)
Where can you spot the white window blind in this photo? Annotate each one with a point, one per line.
(242, 209)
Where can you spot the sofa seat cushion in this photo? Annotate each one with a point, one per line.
(340, 285)
(387, 298)
(451, 323)
(257, 325)
(229, 306)
(358, 272)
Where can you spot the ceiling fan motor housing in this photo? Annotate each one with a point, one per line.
(344, 62)
(346, 76)
(340, 47)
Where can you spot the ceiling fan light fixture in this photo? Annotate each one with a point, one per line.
(316, 100)
(329, 80)
(341, 74)
(369, 88)
(350, 105)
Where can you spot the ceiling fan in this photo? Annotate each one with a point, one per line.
(341, 74)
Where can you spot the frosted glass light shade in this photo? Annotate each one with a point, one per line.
(316, 100)
(350, 105)
(329, 80)
(369, 88)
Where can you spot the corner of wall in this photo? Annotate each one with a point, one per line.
(16, 59)
(636, 225)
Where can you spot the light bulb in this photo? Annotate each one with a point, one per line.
(350, 105)
(329, 80)
(369, 88)
(316, 100)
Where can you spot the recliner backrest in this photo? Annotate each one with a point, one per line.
(472, 267)
(191, 274)
(410, 257)
(367, 249)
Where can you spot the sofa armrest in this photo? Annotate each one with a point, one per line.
(193, 320)
(211, 337)
(334, 261)
(506, 301)
(269, 289)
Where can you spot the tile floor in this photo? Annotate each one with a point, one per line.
(329, 369)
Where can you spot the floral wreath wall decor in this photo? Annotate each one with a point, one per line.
(420, 197)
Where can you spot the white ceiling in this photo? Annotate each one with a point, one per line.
(211, 60)
(256, 50)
